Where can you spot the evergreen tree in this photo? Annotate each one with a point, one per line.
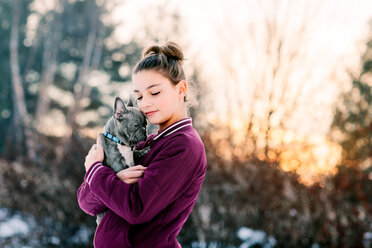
(353, 118)
(74, 35)
(5, 103)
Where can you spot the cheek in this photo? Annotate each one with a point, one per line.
(166, 102)
(139, 105)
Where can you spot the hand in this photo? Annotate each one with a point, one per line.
(95, 154)
(132, 174)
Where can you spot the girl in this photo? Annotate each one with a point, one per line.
(148, 204)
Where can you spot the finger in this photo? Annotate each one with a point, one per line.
(99, 142)
(131, 181)
(137, 167)
(130, 174)
(135, 174)
(124, 177)
(99, 148)
(134, 168)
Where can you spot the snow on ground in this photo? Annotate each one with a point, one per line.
(14, 224)
(21, 230)
(367, 237)
(252, 237)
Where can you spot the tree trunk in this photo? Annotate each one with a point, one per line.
(20, 127)
(81, 89)
(92, 57)
(49, 69)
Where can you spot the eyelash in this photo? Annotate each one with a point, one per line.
(154, 94)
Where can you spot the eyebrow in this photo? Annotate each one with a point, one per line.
(148, 87)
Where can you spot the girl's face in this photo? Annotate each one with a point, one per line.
(159, 100)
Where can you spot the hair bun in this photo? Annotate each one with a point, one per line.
(169, 49)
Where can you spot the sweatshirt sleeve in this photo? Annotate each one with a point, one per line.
(165, 179)
(88, 202)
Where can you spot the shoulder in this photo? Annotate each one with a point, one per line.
(181, 151)
(185, 146)
(188, 139)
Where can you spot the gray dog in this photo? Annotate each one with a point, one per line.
(121, 134)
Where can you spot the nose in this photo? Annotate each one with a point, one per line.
(144, 103)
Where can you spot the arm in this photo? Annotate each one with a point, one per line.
(91, 204)
(165, 179)
(88, 202)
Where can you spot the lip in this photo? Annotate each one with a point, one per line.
(150, 113)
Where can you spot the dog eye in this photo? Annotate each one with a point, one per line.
(139, 98)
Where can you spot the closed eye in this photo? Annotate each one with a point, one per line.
(153, 94)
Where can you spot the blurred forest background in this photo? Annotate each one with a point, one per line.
(285, 112)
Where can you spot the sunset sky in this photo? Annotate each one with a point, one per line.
(213, 31)
(235, 49)
(290, 57)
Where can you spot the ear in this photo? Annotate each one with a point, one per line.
(182, 88)
(130, 103)
(119, 108)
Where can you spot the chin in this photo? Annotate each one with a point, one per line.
(154, 121)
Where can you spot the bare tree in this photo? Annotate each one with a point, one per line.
(20, 128)
(92, 57)
(265, 69)
(51, 36)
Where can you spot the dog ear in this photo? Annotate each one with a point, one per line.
(119, 108)
(130, 103)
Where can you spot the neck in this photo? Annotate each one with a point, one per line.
(173, 119)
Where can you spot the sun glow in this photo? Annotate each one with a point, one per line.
(312, 157)
(281, 64)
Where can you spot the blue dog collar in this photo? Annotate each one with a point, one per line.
(113, 137)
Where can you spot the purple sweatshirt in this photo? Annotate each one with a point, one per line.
(151, 212)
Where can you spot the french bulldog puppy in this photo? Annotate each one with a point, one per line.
(122, 132)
